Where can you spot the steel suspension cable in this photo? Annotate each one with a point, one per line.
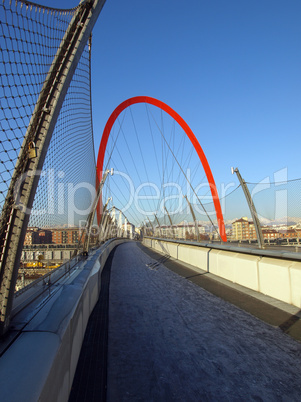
(134, 164)
(189, 182)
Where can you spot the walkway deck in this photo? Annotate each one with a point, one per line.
(171, 340)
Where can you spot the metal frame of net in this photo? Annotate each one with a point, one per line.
(47, 154)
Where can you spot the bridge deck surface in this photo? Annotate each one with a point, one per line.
(169, 339)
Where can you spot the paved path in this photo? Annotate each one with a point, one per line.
(170, 340)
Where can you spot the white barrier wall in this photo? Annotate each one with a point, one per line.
(286, 279)
(196, 256)
(147, 242)
(278, 277)
(169, 248)
(235, 267)
(295, 276)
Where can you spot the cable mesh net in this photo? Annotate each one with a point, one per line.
(277, 203)
(30, 36)
(67, 184)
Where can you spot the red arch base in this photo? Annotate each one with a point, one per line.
(189, 133)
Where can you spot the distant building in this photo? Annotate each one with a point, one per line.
(31, 236)
(290, 233)
(252, 231)
(35, 235)
(45, 236)
(241, 229)
(130, 229)
(270, 234)
(67, 236)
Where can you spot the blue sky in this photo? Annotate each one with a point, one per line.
(230, 68)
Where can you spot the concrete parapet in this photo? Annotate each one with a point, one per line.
(43, 358)
(196, 256)
(295, 277)
(147, 242)
(278, 276)
(274, 278)
(238, 268)
(167, 248)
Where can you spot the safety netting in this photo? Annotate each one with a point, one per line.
(30, 36)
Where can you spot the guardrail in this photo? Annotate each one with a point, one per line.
(41, 350)
(275, 273)
(42, 285)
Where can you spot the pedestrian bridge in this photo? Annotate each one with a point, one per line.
(181, 315)
(128, 323)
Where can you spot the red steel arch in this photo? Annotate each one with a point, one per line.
(189, 133)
